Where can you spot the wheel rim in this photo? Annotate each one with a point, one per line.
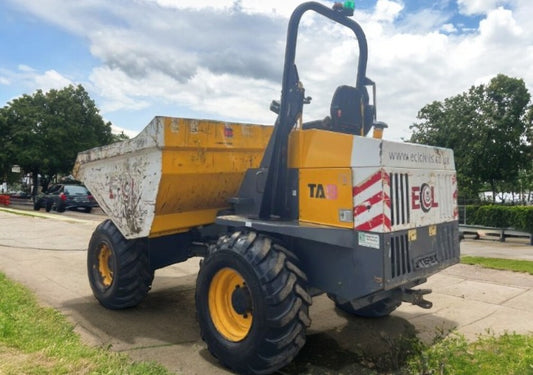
(105, 270)
(232, 324)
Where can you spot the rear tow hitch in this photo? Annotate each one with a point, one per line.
(416, 297)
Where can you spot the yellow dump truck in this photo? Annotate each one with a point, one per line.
(280, 214)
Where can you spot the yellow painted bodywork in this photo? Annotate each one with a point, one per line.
(203, 164)
(315, 148)
(325, 177)
(324, 194)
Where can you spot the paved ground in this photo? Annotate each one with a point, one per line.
(512, 248)
(47, 254)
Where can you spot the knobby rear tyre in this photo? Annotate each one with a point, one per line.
(119, 269)
(272, 330)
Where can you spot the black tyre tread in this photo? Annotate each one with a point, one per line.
(285, 287)
(286, 302)
(303, 294)
(305, 319)
(286, 312)
(60, 207)
(133, 277)
(271, 267)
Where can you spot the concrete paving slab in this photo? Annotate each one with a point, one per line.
(195, 359)
(478, 291)
(448, 313)
(523, 301)
(43, 232)
(497, 277)
(442, 278)
(503, 320)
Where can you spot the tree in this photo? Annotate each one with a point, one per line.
(489, 130)
(43, 132)
(526, 175)
(5, 150)
(24, 144)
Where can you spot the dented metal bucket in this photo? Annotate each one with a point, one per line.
(175, 175)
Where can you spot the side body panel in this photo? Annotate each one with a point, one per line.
(326, 196)
(322, 160)
(203, 165)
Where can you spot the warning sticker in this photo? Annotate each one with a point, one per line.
(369, 240)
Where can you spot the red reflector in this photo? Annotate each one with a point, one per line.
(63, 197)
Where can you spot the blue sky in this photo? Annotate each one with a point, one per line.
(223, 59)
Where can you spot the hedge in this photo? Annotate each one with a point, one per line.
(517, 217)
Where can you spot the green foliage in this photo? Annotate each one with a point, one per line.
(506, 354)
(39, 340)
(517, 217)
(489, 129)
(119, 137)
(500, 264)
(43, 132)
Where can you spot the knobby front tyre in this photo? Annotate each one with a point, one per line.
(252, 305)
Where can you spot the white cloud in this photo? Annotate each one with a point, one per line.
(51, 80)
(449, 28)
(207, 92)
(387, 10)
(273, 7)
(25, 68)
(118, 130)
(499, 27)
(30, 79)
(118, 90)
(471, 7)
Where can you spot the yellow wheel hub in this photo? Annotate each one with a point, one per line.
(234, 326)
(106, 272)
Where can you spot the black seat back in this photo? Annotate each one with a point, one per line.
(350, 110)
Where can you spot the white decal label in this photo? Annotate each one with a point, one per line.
(369, 240)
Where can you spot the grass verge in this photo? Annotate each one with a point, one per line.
(500, 264)
(505, 354)
(39, 340)
(509, 354)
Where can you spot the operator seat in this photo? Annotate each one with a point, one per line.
(350, 111)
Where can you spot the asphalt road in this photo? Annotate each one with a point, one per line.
(47, 254)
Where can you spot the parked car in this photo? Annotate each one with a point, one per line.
(20, 194)
(60, 197)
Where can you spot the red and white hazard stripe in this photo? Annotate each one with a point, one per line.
(454, 197)
(372, 208)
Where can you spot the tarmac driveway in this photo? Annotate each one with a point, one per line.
(47, 254)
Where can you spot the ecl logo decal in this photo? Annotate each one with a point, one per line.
(423, 197)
